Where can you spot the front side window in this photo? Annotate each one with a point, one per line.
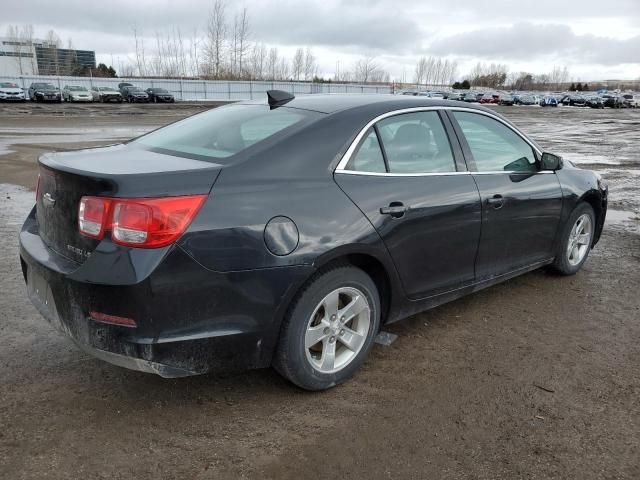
(494, 146)
(222, 132)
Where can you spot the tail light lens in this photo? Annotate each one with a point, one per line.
(93, 216)
(139, 222)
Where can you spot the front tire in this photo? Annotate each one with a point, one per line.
(329, 329)
(577, 237)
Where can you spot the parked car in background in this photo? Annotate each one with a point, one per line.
(44, 92)
(628, 100)
(133, 94)
(635, 102)
(11, 92)
(549, 101)
(106, 94)
(201, 246)
(123, 85)
(527, 100)
(470, 97)
(574, 101)
(506, 99)
(490, 98)
(160, 95)
(76, 93)
(594, 101)
(455, 96)
(612, 100)
(431, 95)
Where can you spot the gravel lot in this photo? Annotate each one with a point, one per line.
(535, 378)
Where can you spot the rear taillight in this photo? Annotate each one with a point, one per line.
(93, 216)
(138, 222)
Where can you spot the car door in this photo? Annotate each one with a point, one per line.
(521, 204)
(414, 188)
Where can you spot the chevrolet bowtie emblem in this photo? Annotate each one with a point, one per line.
(48, 200)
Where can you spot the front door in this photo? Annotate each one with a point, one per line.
(521, 205)
(403, 176)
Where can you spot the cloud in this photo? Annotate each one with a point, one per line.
(534, 41)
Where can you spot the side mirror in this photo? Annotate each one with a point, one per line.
(551, 162)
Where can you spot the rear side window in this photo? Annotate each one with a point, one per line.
(223, 132)
(368, 157)
(494, 146)
(416, 143)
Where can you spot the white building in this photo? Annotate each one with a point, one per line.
(17, 58)
(20, 57)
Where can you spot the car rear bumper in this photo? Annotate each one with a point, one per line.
(189, 320)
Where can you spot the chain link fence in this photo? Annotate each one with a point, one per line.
(199, 90)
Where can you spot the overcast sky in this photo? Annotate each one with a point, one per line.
(596, 39)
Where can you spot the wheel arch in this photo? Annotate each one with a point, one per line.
(595, 199)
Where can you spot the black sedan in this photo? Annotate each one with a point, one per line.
(574, 101)
(134, 94)
(288, 233)
(44, 92)
(160, 95)
(613, 101)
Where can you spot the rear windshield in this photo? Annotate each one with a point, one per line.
(224, 131)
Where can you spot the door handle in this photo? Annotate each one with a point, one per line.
(497, 201)
(395, 209)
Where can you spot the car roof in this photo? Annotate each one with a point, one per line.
(332, 103)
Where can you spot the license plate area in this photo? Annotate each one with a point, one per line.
(41, 296)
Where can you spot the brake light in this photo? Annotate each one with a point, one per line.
(93, 216)
(138, 222)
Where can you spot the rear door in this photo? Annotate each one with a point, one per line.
(413, 186)
(521, 204)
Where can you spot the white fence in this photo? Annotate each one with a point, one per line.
(204, 89)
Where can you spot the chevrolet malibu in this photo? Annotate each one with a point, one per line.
(286, 233)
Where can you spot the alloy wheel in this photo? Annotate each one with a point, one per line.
(579, 240)
(337, 330)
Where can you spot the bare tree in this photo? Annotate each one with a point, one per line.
(258, 59)
(367, 70)
(216, 37)
(243, 33)
(421, 71)
(140, 55)
(310, 65)
(297, 64)
(283, 69)
(272, 64)
(14, 33)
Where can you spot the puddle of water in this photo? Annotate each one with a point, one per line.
(581, 159)
(629, 221)
(16, 136)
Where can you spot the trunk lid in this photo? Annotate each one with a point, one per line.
(117, 171)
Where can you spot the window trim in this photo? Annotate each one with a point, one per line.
(340, 168)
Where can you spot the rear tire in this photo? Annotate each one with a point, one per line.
(576, 240)
(329, 329)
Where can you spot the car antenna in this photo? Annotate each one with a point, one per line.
(277, 98)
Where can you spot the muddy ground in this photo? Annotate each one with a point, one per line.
(535, 378)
